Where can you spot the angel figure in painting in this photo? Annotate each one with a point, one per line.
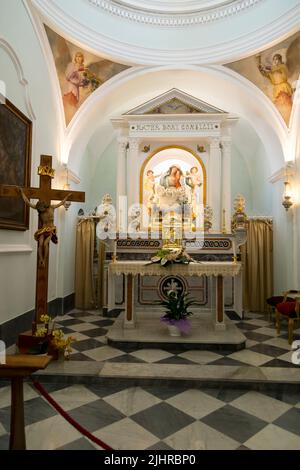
(74, 80)
(277, 74)
(194, 180)
(47, 231)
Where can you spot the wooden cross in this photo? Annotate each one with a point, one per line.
(44, 194)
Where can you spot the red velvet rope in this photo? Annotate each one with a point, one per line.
(68, 418)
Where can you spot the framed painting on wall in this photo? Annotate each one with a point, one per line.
(15, 164)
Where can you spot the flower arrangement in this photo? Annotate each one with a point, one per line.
(177, 310)
(169, 256)
(91, 79)
(55, 341)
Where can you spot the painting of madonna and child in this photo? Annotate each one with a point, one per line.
(173, 179)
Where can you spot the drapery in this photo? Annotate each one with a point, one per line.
(84, 278)
(257, 257)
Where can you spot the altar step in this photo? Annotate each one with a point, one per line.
(172, 375)
(150, 332)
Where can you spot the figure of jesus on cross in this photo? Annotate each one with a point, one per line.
(47, 231)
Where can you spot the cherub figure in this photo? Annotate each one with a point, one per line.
(47, 231)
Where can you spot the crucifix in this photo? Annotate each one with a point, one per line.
(46, 229)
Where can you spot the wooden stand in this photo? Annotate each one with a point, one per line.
(16, 368)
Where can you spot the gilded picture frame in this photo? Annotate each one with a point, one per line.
(15, 164)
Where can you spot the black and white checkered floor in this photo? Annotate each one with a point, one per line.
(263, 346)
(157, 417)
(165, 415)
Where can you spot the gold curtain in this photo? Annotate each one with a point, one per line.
(84, 279)
(100, 282)
(257, 257)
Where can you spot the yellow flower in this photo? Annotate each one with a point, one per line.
(45, 318)
(40, 332)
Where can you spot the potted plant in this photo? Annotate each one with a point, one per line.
(177, 312)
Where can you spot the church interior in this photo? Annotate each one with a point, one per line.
(149, 225)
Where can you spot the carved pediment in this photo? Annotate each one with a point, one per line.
(175, 102)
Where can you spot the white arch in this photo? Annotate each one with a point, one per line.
(217, 85)
(20, 74)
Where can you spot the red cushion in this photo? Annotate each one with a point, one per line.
(276, 299)
(287, 308)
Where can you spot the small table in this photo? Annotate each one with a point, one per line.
(16, 368)
(131, 269)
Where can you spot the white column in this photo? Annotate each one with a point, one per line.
(215, 182)
(121, 168)
(133, 166)
(226, 183)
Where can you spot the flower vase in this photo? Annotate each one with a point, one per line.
(174, 331)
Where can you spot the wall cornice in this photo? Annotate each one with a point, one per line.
(127, 53)
(174, 19)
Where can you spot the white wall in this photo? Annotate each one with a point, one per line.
(18, 270)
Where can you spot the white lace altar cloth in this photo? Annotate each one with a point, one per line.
(209, 268)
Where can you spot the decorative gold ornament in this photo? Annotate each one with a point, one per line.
(45, 170)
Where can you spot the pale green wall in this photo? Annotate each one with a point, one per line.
(104, 176)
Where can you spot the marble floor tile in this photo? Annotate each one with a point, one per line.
(2, 430)
(260, 405)
(5, 394)
(83, 327)
(290, 421)
(37, 409)
(126, 435)
(160, 445)
(250, 343)
(103, 353)
(227, 395)
(79, 444)
(151, 355)
(234, 423)
(287, 357)
(279, 342)
(86, 345)
(268, 350)
(266, 330)
(199, 436)
(95, 332)
(132, 400)
(96, 415)
(74, 396)
(50, 433)
(250, 357)
(200, 357)
(273, 437)
(89, 318)
(258, 321)
(4, 442)
(162, 419)
(78, 337)
(195, 403)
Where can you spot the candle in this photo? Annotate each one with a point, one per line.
(115, 251)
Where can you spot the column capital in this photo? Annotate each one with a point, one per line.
(214, 142)
(133, 144)
(226, 145)
(123, 143)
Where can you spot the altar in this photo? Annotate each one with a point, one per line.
(132, 269)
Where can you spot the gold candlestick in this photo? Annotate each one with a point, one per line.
(114, 256)
(223, 222)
